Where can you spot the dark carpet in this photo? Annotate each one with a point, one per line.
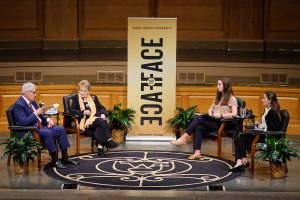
(146, 170)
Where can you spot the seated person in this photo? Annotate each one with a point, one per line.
(224, 106)
(271, 121)
(92, 117)
(27, 113)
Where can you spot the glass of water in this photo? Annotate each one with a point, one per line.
(243, 112)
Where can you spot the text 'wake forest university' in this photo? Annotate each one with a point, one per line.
(151, 80)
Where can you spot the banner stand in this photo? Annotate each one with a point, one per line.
(151, 89)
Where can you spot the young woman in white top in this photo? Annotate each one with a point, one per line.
(270, 121)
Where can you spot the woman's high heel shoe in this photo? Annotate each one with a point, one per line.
(100, 152)
(194, 157)
(246, 165)
(177, 142)
(239, 168)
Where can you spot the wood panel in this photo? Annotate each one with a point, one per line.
(21, 19)
(108, 19)
(282, 20)
(202, 96)
(6, 101)
(253, 103)
(123, 100)
(105, 100)
(197, 19)
(290, 102)
(178, 101)
(50, 99)
(60, 19)
(246, 19)
(203, 102)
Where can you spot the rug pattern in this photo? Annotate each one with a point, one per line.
(144, 170)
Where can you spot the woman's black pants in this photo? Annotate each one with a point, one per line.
(200, 126)
(99, 130)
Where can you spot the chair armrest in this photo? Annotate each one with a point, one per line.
(271, 133)
(23, 128)
(70, 115)
(226, 120)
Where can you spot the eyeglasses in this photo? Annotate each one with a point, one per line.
(33, 92)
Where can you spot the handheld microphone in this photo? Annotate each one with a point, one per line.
(41, 104)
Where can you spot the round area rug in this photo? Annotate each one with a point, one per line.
(144, 170)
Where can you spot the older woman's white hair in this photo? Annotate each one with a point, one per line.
(28, 87)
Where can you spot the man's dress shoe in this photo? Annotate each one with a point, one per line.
(59, 165)
(69, 161)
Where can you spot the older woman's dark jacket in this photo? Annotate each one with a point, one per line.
(75, 107)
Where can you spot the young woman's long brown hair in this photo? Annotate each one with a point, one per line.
(274, 102)
(273, 98)
(227, 92)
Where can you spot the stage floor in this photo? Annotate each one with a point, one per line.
(257, 184)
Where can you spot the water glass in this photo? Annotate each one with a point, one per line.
(55, 106)
(243, 112)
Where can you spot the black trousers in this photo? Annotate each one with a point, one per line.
(200, 126)
(99, 130)
(242, 142)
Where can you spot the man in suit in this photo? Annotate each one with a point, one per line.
(27, 113)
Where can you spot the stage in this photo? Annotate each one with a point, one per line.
(259, 185)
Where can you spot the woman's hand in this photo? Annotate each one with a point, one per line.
(102, 116)
(87, 112)
(217, 115)
(257, 124)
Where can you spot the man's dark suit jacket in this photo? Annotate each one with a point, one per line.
(24, 116)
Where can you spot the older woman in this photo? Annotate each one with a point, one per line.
(270, 121)
(92, 117)
(224, 106)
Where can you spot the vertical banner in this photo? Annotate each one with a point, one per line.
(152, 75)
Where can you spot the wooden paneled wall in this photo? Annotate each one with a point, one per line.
(197, 19)
(21, 19)
(202, 96)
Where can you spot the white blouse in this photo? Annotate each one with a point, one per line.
(263, 119)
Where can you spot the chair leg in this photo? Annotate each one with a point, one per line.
(253, 149)
(39, 158)
(219, 146)
(219, 139)
(77, 145)
(92, 145)
(8, 159)
(285, 165)
(232, 147)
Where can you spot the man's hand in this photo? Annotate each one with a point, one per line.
(50, 123)
(39, 111)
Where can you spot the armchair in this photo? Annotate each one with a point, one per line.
(71, 123)
(14, 130)
(228, 128)
(285, 117)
